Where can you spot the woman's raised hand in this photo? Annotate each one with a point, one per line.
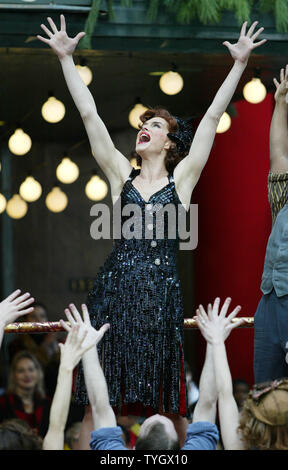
(282, 87)
(59, 41)
(245, 44)
(215, 326)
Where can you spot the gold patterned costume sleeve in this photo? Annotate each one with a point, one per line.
(277, 192)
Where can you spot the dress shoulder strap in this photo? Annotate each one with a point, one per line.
(133, 174)
(171, 177)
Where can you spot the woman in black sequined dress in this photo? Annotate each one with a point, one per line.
(137, 290)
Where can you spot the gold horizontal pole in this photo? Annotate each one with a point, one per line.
(48, 327)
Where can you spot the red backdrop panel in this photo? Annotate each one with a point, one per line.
(234, 224)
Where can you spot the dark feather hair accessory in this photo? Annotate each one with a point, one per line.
(183, 136)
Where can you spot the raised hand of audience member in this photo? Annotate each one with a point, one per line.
(14, 306)
(71, 353)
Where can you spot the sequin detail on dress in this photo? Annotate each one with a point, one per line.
(138, 292)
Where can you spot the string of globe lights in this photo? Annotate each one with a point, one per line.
(171, 83)
(53, 111)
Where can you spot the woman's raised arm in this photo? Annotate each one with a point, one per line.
(112, 162)
(189, 169)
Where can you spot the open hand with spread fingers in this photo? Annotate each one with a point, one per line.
(215, 326)
(14, 306)
(245, 44)
(58, 40)
(74, 348)
(282, 87)
(92, 336)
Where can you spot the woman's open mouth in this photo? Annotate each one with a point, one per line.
(144, 137)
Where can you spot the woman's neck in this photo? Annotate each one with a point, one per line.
(25, 395)
(151, 171)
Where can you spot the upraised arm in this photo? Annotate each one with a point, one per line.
(71, 353)
(278, 128)
(112, 162)
(103, 414)
(14, 306)
(189, 169)
(205, 409)
(215, 329)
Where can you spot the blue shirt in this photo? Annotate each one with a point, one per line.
(200, 436)
(275, 273)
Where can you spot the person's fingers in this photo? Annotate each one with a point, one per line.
(251, 29)
(227, 44)
(72, 336)
(26, 303)
(202, 314)
(13, 295)
(103, 330)
(82, 335)
(234, 313)
(215, 308)
(286, 72)
(281, 75)
(86, 316)
(243, 29)
(22, 298)
(47, 41)
(225, 307)
(75, 312)
(255, 35)
(65, 325)
(27, 310)
(257, 44)
(79, 36)
(276, 83)
(69, 316)
(209, 309)
(52, 24)
(62, 23)
(46, 30)
(234, 325)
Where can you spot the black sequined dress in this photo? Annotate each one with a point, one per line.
(138, 292)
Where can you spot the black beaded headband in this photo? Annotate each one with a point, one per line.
(183, 136)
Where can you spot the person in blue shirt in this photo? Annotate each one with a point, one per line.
(270, 321)
(158, 431)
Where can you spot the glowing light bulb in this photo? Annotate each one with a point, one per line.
(96, 189)
(85, 73)
(53, 110)
(3, 203)
(16, 207)
(224, 123)
(135, 113)
(171, 83)
(19, 143)
(30, 189)
(67, 171)
(56, 200)
(254, 91)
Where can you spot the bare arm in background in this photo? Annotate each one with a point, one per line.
(215, 328)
